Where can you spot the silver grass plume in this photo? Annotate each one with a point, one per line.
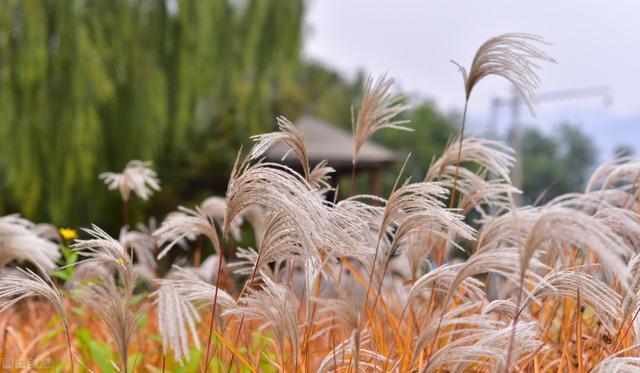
(487, 347)
(378, 110)
(248, 260)
(176, 319)
(195, 290)
(416, 208)
(15, 288)
(19, 242)
(102, 249)
(511, 56)
(113, 304)
(441, 222)
(277, 307)
(278, 188)
(514, 57)
(342, 356)
(319, 176)
(566, 283)
(630, 299)
(288, 134)
(464, 314)
(318, 230)
(502, 261)
(509, 229)
(506, 308)
(178, 300)
(594, 201)
(440, 280)
(115, 309)
(143, 245)
(189, 224)
(47, 231)
(345, 312)
(257, 217)
(206, 271)
(344, 235)
(557, 228)
(412, 199)
(273, 186)
(370, 210)
(493, 156)
(279, 244)
(86, 272)
(137, 177)
(321, 229)
(621, 173)
(215, 208)
(414, 256)
(476, 191)
(618, 364)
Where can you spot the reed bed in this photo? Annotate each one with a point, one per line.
(368, 283)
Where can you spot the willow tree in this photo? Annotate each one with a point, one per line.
(86, 86)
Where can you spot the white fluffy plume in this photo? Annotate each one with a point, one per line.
(137, 177)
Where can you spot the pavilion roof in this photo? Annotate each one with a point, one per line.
(325, 141)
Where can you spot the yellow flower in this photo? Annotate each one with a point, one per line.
(68, 234)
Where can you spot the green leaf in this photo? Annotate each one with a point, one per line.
(61, 274)
(193, 364)
(102, 355)
(135, 360)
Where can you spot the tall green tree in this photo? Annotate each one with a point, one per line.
(87, 85)
(555, 164)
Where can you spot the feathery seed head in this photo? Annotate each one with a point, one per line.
(137, 177)
(511, 56)
(378, 110)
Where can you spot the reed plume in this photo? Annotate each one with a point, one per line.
(513, 57)
(113, 303)
(510, 56)
(19, 242)
(102, 249)
(187, 224)
(378, 110)
(343, 356)
(178, 300)
(276, 306)
(137, 177)
(115, 309)
(288, 134)
(28, 284)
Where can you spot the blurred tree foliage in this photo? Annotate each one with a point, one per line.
(87, 85)
(555, 164)
(432, 131)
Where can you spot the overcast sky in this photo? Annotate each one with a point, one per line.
(596, 43)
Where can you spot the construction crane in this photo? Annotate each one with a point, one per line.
(515, 102)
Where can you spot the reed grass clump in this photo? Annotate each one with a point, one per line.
(368, 283)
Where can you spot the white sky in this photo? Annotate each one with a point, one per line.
(595, 43)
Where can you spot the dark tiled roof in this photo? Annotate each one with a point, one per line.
(326, 141)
